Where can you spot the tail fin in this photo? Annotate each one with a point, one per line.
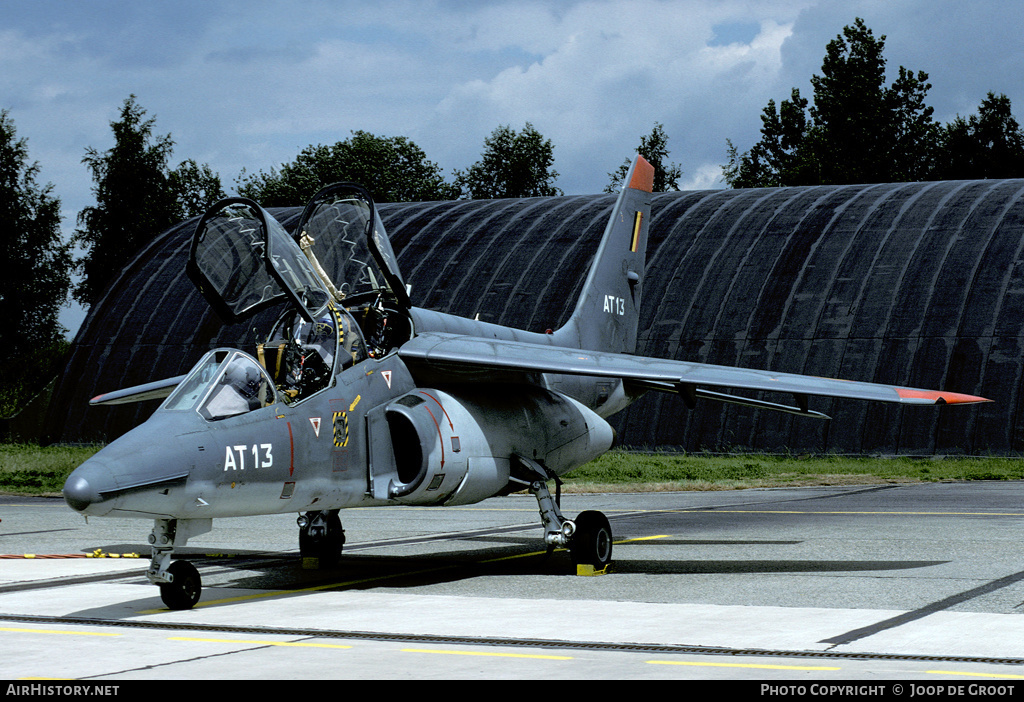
(608, 312)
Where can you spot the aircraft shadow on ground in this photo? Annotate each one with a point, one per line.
(278, 575)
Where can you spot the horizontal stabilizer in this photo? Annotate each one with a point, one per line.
(157, 390)
(453, 352)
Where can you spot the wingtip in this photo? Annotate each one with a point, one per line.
(937, 397)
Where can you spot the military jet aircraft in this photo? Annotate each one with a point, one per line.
(356, 398)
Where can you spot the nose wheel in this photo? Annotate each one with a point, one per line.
(183, 587)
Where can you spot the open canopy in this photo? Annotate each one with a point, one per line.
(243, 260)
(340, 227)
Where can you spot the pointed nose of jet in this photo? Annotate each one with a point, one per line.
(79, 493)
(84, 488)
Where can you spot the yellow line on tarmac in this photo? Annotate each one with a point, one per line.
(744, 665)
(919, 514)
(257, 643)
(485, 653)
(975, 675)
(54, 631)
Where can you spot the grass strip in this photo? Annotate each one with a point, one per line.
(629, 471)
(26, 469)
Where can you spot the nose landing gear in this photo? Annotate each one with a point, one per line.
(179, 581)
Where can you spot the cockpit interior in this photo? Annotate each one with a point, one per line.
(337, 270)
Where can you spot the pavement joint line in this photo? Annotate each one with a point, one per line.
(441, 639)
(250, 642)
(922, 612)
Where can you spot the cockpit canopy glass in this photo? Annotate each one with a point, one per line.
(224, 383)
(342, 229)
(243, 260)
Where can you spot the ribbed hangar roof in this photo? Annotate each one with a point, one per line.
(911, 284)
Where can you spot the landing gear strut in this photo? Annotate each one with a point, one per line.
(179, 581)
(588, 538)
(321, 539)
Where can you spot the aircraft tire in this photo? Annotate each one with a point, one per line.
(324, 551)
(592, 542)
(184, 592)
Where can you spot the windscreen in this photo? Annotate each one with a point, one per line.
(223, 384)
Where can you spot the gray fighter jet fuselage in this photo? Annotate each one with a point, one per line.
(356, 398)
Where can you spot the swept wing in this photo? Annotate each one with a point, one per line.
(452, 352)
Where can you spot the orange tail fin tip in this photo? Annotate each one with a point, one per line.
(643, 176)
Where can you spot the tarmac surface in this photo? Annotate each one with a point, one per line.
(870, 583)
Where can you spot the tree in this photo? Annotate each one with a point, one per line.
(511, 165)
(914, 134)
(36, 278)
(848, 117)
(196, 187)
(134, 200)
(857, 130)
(654, 148)
(989, 144)
(393, 169)
(137, 197)
(776, 159)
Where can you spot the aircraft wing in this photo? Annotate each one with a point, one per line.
(156, 390)
(454, 352)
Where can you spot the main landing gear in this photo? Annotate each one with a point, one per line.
(321, 539)
(179, 581)
(588, 538)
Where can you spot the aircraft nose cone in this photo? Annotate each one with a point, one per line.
(83, 487)
(79, 494)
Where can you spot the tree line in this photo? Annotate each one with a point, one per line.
(857, 129)
(138, 195)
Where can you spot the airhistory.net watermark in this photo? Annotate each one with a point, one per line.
(59, 690)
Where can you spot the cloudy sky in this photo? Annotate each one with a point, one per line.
(248, 84)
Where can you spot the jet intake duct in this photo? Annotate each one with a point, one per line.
(455, 446)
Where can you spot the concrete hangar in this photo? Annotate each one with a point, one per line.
(915, 284)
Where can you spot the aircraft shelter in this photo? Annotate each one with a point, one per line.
(918, 284)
